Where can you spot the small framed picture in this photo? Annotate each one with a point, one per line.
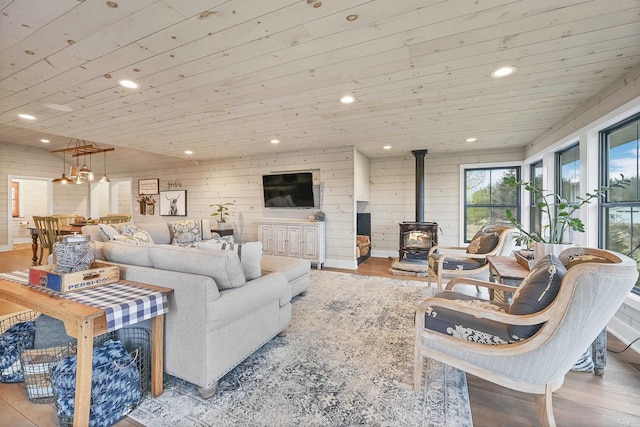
(173, 203)
(148, 186)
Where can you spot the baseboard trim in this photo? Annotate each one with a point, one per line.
(6, 248)
(384, 254)
(624, 333)
(340, 263)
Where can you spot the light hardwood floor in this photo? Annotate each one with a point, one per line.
(583, 400)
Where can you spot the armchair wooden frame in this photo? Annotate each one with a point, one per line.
(589, 296)
(505, 245)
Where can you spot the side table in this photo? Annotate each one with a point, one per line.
(223, 232)
(84, 322)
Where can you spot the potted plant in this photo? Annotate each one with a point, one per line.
(561, 215)
(221, 211)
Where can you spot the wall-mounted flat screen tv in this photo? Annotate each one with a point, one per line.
(288, 190)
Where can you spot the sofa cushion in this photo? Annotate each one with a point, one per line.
(536, 292)
(158, 231)
(292, 268)
(222, 266)
(250, 254)
(123, 253)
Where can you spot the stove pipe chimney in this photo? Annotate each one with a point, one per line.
(419, 155)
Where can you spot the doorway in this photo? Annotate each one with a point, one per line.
(27, 196)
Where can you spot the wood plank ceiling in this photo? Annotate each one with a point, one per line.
(224, 77)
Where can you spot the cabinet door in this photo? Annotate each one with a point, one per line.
(294, 235)
(310, 242)
(265, 234)
(280, 240)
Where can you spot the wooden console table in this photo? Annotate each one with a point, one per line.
(508, 271)
(84, 322)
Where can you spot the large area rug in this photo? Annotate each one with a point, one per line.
(347, 359)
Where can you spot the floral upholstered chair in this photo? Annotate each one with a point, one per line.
(529, 345)
(448, 262)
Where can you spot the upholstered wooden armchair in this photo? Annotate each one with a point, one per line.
(448, 262)
(531, 344)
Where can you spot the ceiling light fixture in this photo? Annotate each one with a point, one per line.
(63, 179)
(503, 72)
(82, 174)
(275, 141)
(472, 139)
(59, 107)
(46, 141)
(386, 147)
(188, 152)
(347, 99)
(129, 84)
(27, 116)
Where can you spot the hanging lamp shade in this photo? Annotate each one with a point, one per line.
(63, 179)
(105, 179)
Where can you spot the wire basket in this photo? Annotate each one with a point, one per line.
(36, 367)
(16, 333)
(117, 386)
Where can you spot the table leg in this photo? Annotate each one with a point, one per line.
(83, 375)
(599, 353)
(34, 247)
(157, 356)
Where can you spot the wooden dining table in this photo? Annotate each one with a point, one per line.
(64, 230)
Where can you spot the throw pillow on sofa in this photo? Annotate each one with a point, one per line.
(185, 233)
(131, 234)
(250, 254)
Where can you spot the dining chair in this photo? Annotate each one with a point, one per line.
(113, 219)
(48, 229)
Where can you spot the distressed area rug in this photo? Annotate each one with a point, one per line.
(347, 359)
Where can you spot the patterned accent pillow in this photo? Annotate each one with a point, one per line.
(141, 238)
(536, 292)
(483, 243)
(108, 232)
(185, 233)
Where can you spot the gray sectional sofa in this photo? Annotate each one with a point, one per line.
(218, 315)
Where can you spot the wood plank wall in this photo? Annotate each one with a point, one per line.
(393, 194)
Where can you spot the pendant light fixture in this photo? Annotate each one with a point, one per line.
(77, 174)
(63, 179)
(105, 179)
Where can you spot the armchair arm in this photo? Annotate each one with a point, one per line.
(476, 282)
(459, 249)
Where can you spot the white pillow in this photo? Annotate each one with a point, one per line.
(108, 232)
(250, 254)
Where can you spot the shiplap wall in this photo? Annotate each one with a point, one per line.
(20, 160)
(393, 194)
(239, 180)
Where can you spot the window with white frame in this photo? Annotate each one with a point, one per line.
(620, 209)
(535, 213)
(487, 197)
(568, 178)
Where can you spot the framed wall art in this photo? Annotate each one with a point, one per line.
(148, 186)
(173, 203)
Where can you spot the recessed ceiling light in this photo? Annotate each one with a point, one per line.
(387, 147)
(26, 116)
(472, 139)
(503, 72)
(46, 141)
(129, 84)
(59, 107)
(275, 141)
(347, 99)
(188, 152)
